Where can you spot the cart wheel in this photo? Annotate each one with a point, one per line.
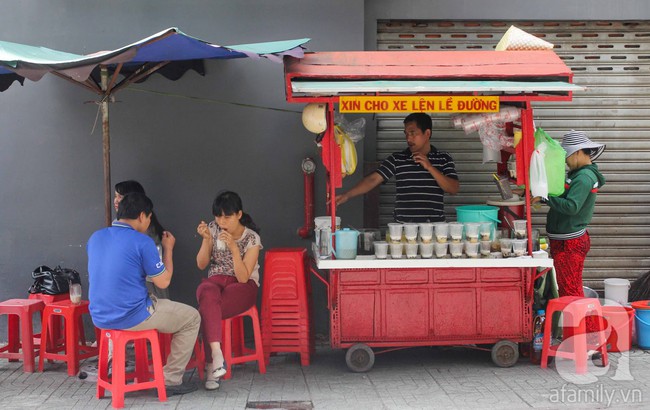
(505, 353)
(360, 358)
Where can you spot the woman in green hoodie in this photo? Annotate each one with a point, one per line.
(571, 212)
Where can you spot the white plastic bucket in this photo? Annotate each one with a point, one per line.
(326, 222)
(616, 290)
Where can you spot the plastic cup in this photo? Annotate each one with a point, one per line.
(442, 231)
(396, 249)
(411, 232)
(485, 231)
(426, 232)
(75, 293)
(519, 247)
(426, 249)
(395, 230)
(485, 248)
(381, 249)
(412, 250)
(456, 231)
(471, 249)
(471, 231)
(441, 249)
(456, 249)
(506, 247)
(519, 225)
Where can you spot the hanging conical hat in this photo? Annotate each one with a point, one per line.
(517, 39)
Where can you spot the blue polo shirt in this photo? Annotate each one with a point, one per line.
(119, 260)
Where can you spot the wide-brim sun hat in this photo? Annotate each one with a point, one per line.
(577, 140)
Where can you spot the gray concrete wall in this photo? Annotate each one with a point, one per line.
(184, 141)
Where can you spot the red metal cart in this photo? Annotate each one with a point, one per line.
(391, 304)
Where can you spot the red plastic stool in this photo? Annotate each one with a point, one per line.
(56, 322)
(575, 310)
(197, 361)
(23, 310)
(75, 347)
(116, 384)
(248, 355)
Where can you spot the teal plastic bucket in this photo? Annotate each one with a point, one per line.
(642, 322)
(478, 213)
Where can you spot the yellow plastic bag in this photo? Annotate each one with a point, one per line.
(348, 151)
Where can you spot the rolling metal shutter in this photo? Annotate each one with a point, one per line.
(612, 59)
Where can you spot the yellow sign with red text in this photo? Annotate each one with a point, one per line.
(461, 104)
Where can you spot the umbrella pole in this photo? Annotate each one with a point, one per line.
(106, 147)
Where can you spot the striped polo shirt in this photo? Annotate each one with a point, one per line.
(418, 197)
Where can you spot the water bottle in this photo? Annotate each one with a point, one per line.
(538, 337)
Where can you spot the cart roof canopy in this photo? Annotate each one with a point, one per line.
(519, 75)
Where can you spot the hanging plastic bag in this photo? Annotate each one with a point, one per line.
(348, 151)
(538, 181)
(554, 160)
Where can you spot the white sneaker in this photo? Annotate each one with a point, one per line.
(212, 384)
(217, 373)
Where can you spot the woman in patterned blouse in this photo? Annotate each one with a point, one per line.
(230, 248)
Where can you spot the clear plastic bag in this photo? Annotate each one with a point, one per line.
(538, 181)
(355, 130)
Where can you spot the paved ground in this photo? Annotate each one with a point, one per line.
(424, 378)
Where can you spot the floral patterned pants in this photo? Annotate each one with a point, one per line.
(569, 260)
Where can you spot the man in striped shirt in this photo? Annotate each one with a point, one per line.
(422, 174)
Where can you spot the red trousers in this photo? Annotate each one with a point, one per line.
(569, 260)
(221, 297)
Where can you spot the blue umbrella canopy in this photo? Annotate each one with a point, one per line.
(170, 53)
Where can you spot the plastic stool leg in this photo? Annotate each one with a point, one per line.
(118, 374)
(158, 371)
(227, 347)
(13, 335)
(259, 350)
(27, 344)
(72, 345)
(102, 365)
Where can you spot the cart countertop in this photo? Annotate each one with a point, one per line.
(370, 262)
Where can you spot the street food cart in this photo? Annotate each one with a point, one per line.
(381, 305)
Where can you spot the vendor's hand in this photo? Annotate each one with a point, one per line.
(423, 160)
(535, 200)
(168, 241)
(203, 230)
(341, 199)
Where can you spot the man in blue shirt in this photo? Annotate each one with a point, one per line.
(120, 258)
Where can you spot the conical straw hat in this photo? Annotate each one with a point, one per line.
(517, 39)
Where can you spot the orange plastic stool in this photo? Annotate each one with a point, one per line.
(117, 383)
(575, 310)
(23, 339)
(197, 361)
(248, 355)
(74, 348)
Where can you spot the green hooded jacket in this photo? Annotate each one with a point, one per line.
(571, 212)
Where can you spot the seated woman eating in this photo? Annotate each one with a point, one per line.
(230, 247)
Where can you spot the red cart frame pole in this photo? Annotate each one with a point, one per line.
(528, 141)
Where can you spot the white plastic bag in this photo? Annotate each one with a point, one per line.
(538, 181)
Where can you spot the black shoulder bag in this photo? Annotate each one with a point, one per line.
(53, 281)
